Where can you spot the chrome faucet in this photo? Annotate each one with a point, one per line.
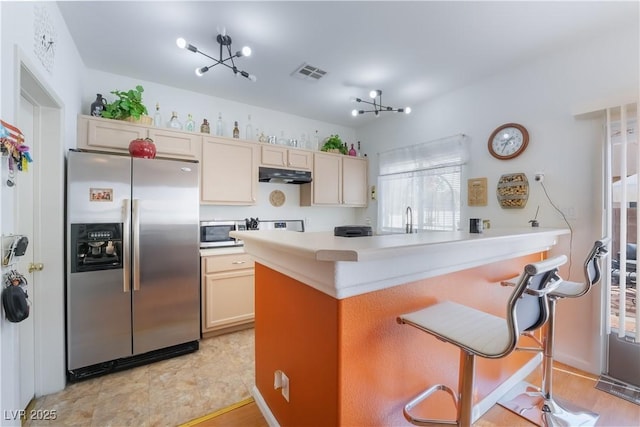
(409, 220)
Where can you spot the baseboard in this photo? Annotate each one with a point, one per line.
(264, 408)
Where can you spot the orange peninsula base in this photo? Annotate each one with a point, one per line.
(350, 364)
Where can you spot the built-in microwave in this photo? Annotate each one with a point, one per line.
(215, 234)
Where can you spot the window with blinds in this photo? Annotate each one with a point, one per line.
(425, 177)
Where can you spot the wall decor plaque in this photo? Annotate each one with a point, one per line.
(513, 191)
(477, 192)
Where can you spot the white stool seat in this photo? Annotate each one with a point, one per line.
(474, 330)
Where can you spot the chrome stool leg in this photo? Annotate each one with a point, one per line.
(540, 406)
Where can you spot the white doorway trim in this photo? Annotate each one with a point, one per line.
(49, 201)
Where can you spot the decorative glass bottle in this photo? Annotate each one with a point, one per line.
(262, 137)
(190, 125)
(219, 128)
(248, 130)
(352, 151)
(98, 106)
(316, 141)
(174, 123)
(236, 131)
(204, 127)
(157, 117)
(281, 140)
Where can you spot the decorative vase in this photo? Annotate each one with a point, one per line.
(143, 148)
(98, 106)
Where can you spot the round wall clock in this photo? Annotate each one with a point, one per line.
(44, 36)
(508, 141)
(277, 198)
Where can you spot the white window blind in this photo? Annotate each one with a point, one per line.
(425, 177)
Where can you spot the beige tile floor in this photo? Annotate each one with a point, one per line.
(165, 393)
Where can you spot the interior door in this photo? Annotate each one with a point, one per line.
(25, 217)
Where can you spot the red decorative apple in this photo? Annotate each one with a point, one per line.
(143, 148)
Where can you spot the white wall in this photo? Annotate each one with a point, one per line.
(542, 95)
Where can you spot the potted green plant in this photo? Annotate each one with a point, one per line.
(334, 144)
(127, 106)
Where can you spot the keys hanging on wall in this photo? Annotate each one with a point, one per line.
(12, 146)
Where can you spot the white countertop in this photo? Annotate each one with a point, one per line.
(348, 266)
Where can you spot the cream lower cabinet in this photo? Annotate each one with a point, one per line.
(338, 180)
(227, 293)
(228, 172)
(96, 133)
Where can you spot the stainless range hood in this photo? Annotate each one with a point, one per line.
(286, 176)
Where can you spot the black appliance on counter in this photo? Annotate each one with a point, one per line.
(352, 231)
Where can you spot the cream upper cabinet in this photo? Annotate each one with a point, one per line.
(338, 180)
(355, 180)
(229, 172)
(275, 156)
(96, 133)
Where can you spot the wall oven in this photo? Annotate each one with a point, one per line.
(214, 234)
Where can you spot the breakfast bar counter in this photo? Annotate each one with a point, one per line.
(325, 310)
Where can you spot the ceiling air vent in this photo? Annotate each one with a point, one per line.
(309, 72)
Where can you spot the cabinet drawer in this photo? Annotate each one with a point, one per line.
(216, 263)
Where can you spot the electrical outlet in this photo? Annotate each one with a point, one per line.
(281, 381)
(285, 387)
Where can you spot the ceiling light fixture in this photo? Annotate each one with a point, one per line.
(225, 42)
(377, 105)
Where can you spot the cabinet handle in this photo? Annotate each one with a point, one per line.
(238, 262)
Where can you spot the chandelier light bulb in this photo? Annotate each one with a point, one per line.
(252, 78)
(182, 43)
(407, 110)
(354, 113)
(201, 71)
(246, 51)
(373, 94)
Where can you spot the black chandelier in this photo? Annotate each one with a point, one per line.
(376, 95)
(225, 42)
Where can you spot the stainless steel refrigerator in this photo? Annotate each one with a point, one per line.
(133, 288)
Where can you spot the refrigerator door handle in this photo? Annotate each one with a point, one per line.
(126, 245)
(135, 219)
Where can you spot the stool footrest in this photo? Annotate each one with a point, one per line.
(423, 396)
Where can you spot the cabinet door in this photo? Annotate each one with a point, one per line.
(107, 135)
(229, 172)
(299, 159)
(354, 181)
(327, 179)
(175, 144)
(273, 156)
(229, 299)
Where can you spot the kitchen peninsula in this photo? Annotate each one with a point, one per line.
(326, 309)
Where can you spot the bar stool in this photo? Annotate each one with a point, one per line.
(477, 333)
(539, 405)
